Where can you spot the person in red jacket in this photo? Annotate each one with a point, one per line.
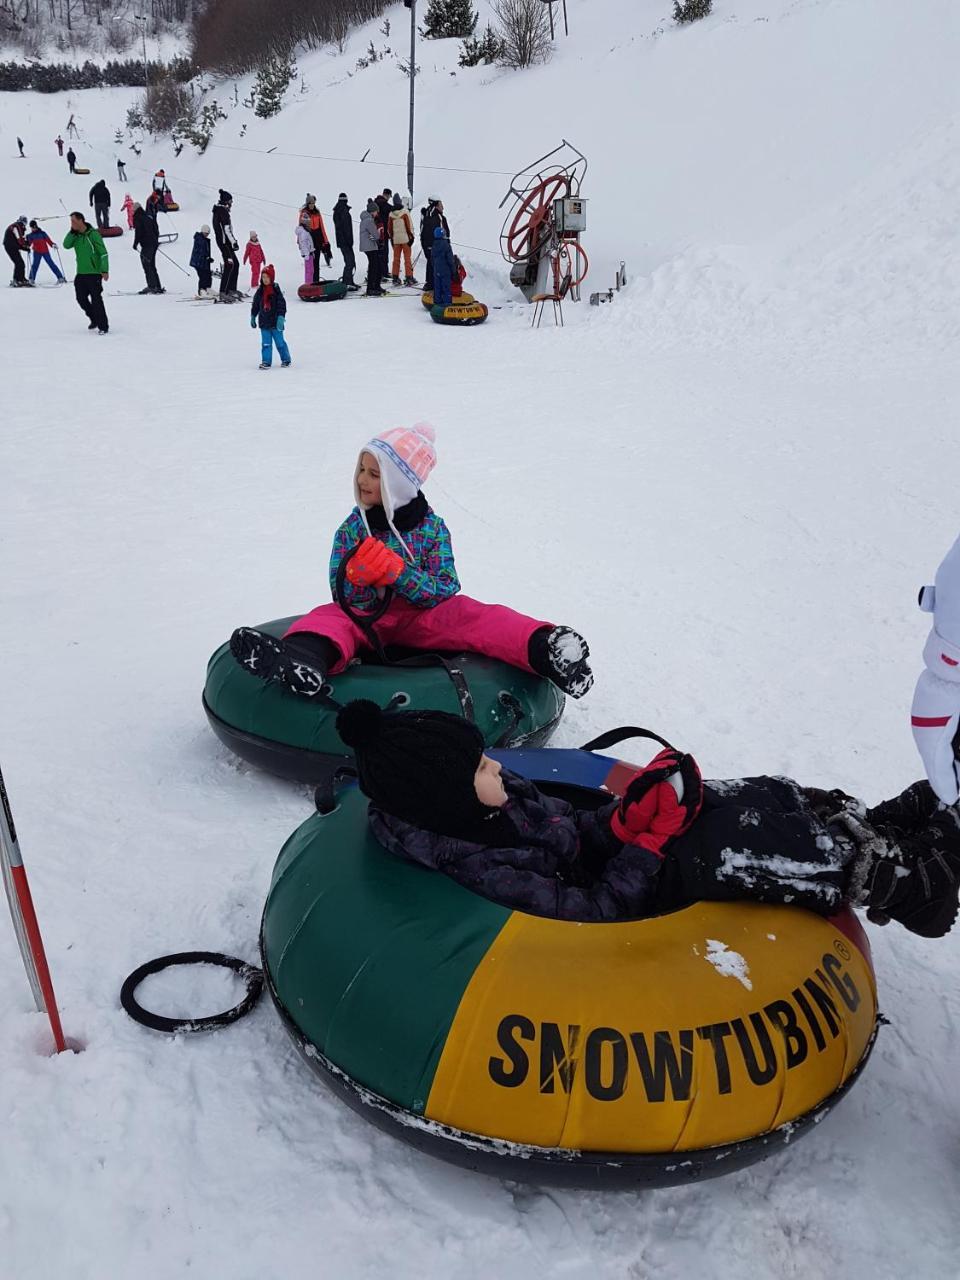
(41, 244)
(318, 234)
(254, 256)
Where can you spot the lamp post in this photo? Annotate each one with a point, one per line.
(412, 6)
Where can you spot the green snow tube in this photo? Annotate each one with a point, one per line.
(297, 738)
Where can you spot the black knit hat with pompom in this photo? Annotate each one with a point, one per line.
(418, 766)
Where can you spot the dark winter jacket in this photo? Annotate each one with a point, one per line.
(566, 863)
(13, 238)
(266, 316)
(71, 156)
(384, 209)
(430, 219)
(145, 232)
(99, 194)
(342, 225)
(755, 838)
(201, 256)
(223, 231)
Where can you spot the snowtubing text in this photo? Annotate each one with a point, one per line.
(665, 1059)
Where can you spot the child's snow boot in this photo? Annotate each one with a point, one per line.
(411, 282)
(269, 659)
(560, 654)
(264, 365)
(395, 280)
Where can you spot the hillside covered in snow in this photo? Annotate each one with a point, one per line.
(733, 479)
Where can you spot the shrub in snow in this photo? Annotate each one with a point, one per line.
(691, 10)
(197, 124)
(524, 32)
(162, 105)
(449, 19)
(488, 49)
(273, 80)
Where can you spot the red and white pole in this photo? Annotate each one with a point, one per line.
(25, 920)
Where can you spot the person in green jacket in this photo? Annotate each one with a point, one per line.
(93, 268)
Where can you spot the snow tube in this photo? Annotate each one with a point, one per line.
(296, 737)
(325, 291)
(171, 206)
(107, 232)
(78, 170)
(651, 1052)
(459, 312)
(464, 300)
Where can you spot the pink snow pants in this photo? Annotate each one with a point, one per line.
(308, 270)
(458, 624)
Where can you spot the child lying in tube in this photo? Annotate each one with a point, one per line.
(437, 800)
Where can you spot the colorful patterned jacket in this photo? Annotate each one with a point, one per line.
(427, 582)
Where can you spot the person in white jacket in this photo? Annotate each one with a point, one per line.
(305, 245)
(935, 715)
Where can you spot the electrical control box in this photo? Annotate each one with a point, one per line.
(570, 214)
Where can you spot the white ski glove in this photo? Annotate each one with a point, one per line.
(935, 716)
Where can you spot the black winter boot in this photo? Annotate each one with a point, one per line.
(560, 654)
(270, 659)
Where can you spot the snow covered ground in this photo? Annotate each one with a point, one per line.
(733, 479)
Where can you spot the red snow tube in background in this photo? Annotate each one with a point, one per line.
(325, 291)
(172, 207)
(108, 232)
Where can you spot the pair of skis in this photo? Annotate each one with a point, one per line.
(25, 925)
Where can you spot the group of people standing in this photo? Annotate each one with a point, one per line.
(385, 224)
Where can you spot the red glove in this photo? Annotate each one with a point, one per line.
(374, 565)
(651, 811)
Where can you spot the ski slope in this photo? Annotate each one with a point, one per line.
(732, 479)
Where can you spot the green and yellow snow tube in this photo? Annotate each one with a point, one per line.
(648, 1052)
(296, 737)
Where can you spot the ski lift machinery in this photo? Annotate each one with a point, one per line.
(546, 215)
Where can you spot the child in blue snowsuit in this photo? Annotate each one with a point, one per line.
(200, 260)
(41, 244)
(442, 259)
(269, 309)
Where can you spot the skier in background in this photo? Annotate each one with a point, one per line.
(41, 244)
(254, 256)
(93, 268)
(401, 237)
(146, 238)
(228, 246)
(20, 145)
(201, 260)
(100, 203)
(121, 170)
(71, 159)
(431, 217)
(58, 143)
(343, 232)
(384, 207)
(14, 245)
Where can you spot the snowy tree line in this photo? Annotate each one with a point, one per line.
(52, 77)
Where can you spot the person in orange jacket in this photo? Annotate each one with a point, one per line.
(318, 234)
(253, 255)
(401, 237)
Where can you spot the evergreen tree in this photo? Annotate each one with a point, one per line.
(487, 50)
(690, 10)
(449, 19)
(273, 79)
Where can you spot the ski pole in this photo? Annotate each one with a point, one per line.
(171, 261)
(25, 920)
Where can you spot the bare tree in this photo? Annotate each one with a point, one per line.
(525, 31)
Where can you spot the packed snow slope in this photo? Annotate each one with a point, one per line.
(733, 479)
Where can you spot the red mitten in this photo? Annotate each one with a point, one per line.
(394, 566)
(369, 564)
(660, 803)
